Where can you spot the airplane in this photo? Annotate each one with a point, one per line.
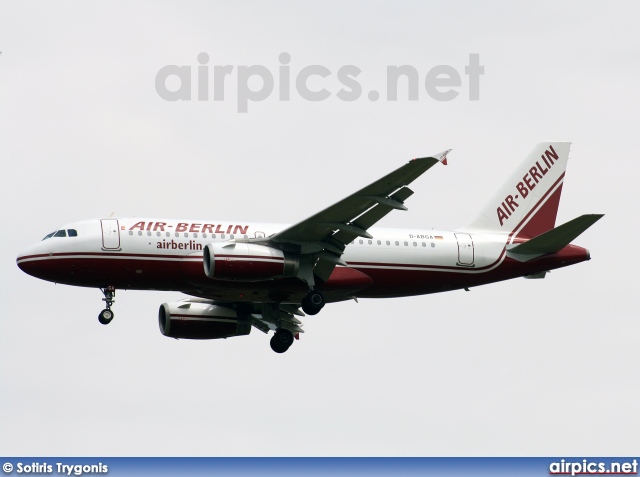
(240, 275)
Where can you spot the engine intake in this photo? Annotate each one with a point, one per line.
(248, 262)
(201, 321)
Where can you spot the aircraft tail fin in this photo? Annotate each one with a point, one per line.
(552, 241)
(527, 204)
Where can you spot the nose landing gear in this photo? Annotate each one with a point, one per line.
(107, 315)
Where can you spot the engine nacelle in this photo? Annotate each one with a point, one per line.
(248, 262)
(201, 321)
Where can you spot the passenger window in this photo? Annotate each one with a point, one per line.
(433, 245)
(222, 236)
(186, 234)
(415, 244)
(231, 236)
(60, 233)
(177, 234)
(72, 233)
(213, 236)
(424, 244)
(149, 233)
(204, 235)
(397, 243)
(406, 243)
(130, 232)
(195, 235)
(379, 242)
(388, 243)
(168, 234)
(370, 242)
(139, 232)
(360, 241)
(158, 234)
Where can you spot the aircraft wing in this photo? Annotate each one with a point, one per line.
(327, 233)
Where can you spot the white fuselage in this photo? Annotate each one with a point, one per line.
(146, 253)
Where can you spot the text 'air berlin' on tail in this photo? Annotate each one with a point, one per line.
(527, 203)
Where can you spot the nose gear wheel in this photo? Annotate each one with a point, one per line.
(107, 315)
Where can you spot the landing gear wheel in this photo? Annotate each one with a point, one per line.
(281, 340)
(313, 302)
(105, 316)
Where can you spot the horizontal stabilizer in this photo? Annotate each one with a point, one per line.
(552, 241)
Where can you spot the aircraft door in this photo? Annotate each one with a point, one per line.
(465, 249)
(110, 234)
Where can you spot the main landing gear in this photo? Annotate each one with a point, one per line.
(313, 302)
(281, 340)
(107, 315)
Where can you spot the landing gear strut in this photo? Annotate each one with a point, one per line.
(107, 315)
(313, 302)
(281, 340)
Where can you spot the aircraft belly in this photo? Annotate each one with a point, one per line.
(98, 270)
(397, 281)
(343, 283)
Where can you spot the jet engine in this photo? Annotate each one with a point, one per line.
(248, 262)
(201, 321)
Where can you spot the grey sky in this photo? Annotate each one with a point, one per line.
(526, 367)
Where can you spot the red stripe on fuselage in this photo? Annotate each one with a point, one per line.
(251, 257)
(388, 280)
(106, 255)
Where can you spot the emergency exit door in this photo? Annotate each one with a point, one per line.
(465, 250)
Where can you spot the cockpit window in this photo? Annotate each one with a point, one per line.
(62, 233)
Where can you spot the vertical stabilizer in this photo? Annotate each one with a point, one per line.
(527, 203)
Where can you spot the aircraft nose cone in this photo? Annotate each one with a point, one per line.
(23, 263)
(29, 260)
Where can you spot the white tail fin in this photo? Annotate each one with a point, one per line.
(527, 204)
